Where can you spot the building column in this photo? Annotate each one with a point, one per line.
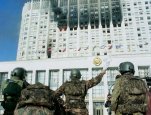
(47, 77)
(34, 77)
(136, 68)
(9, 75)
(60, 77)
(105, 93)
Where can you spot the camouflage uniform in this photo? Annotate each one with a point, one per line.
(75, 92)
(36, 99)
(33, 110)
(129, 96)
(108, 102)
(149, 102)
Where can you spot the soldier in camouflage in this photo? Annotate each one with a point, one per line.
(11, 89)
(38, 99)
(108, 102)
(75, 92)
(129, 92)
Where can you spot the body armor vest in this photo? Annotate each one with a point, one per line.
(75, 92)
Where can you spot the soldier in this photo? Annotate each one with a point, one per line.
(11, 89)
(129, 92)
(108, 102)
(38, 99)
(75, 92)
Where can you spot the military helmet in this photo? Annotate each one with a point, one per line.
(75, 74)
(19, 72)
(125, 67)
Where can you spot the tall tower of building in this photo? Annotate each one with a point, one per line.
(59, 35)
(77, 28)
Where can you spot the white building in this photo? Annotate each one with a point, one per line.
(58, 36)
(79, 28)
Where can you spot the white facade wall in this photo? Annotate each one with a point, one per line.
(53, 72)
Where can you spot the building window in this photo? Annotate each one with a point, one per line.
(138, 29)
(146, 2)
(140, 45)
(98, 108)
(147, 7)
(54, 79)
(40, 76)
(135, 3)
(29, 77)
(139, 34)
(98, 90)
(128, 9)
(3, 76)
(22, 54)
(66, 75)
(129, 14)
(149, 23)
(148, 17)
(141, 18)
(84, 73)
(54, 40)
(144, 71)
(111, 76)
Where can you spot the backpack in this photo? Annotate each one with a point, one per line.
(75, 88)
(75, 92)
(133, 95)
(37, 95)
(12, 88)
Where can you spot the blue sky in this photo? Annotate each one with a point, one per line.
(10, 19)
